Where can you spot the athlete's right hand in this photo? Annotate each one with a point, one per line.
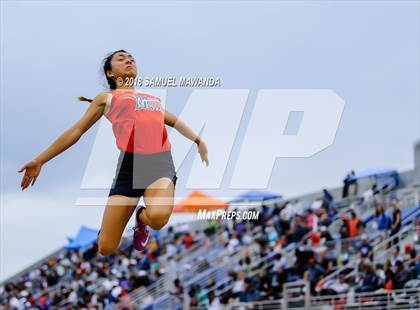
(32, 170)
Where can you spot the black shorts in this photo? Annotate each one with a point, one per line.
(135, 172)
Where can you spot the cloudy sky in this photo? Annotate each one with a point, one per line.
(51, 52)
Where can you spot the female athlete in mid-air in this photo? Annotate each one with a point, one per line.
(145, 166)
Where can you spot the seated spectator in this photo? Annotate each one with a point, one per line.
(239, 285)
(311, 220)
(325, 235)
(314, 273)
(344, 228)
(250, 292)
(279, 262)
(395, 256)
(365, 249)
(188, 240)
(327, 261)
(264, 283)
(214, 302)
(402, 275)
(369, 280)
(279, 278)
(300, 229)
(344, 255)
(338, 287)
(389, 280)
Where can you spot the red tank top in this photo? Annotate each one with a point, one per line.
(137, 122)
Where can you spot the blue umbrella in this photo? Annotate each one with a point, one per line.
(85, 237)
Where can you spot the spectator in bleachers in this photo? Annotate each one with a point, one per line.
(369, 280)
(272, 235)
(383, 221)
(195, 294)
(178, 292)
(327, 262)
(279, 278)
(350, 186)
(344, 255)
(389, 283)
(396, 220)
(212, 226)
(264, 283)
(324, 218)
(188, 240)
(411, 258)
(365, 249)
(299, 229)
(239, 284)
(314, 273)
(286, 215)
(279, 262)
(368, 196)
(214, 302)
(325, 235)
(338, 287)
(396, 256)
(402, 275)
(311, 220)
(353, 223)
(328, 198)
(344, 228)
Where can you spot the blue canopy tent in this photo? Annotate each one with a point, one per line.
(381, 176)
(85, 237)
(252, 196)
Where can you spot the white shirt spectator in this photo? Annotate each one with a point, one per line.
(238, 286)
(170, 250)
(340, 287)
(279, 263)
(287, 212)
(367, 195)
(107, 285)
(72, 297)
(14, 303)
(316, 204)
(233, 243)
(394, 260)
(116, 291)
(215, 304)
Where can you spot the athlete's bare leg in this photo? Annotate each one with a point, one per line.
(159, 200)
(117, 213)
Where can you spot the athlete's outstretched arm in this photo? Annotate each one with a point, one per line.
(178, 124)
(64, 141)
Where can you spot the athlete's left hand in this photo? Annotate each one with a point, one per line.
(202, 149)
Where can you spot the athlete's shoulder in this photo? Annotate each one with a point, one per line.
(101, 98)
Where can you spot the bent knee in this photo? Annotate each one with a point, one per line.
(105, 248)
(158, 223)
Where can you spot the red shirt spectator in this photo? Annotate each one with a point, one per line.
(353, 223)
(188, 240)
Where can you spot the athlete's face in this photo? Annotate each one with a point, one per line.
(123, 65)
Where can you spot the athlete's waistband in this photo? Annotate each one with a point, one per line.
(127, 153)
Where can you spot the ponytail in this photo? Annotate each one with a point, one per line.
(81, 98)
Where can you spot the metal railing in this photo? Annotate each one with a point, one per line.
(385, 300)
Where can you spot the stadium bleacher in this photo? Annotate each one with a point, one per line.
(298, 252)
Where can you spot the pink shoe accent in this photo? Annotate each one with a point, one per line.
(141, 233)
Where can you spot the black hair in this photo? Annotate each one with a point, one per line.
(106, 67)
